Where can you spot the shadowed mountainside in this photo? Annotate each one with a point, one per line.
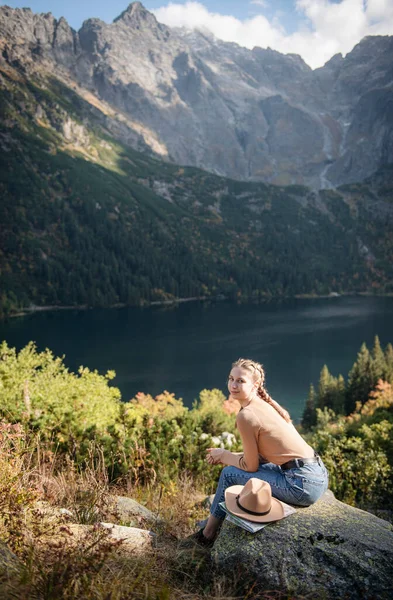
(87, 220)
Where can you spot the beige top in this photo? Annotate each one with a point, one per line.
(266, 437)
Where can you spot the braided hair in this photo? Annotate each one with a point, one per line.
(259, 376)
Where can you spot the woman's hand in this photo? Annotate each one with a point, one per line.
(214, 455)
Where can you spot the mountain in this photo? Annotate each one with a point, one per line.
(190, 99)
(94, 211)
(87, 220)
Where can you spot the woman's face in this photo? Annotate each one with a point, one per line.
(241, 384)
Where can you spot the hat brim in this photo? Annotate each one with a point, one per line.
(275, 514)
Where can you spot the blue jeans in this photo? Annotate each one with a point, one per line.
(300, 486)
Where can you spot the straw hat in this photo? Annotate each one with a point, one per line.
(254, 502)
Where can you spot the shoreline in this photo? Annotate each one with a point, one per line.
(36, 309)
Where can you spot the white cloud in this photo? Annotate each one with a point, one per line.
(377, 9)
(262, 3)
(326, 27)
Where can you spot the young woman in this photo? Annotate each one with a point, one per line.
(273, 450)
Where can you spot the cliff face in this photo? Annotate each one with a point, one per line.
(194, 100)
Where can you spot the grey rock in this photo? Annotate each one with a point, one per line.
(208, 501)
(130, 511)
(53, 513)
(133, 537)
(9, 562)
(194, 100)
(66, 513)
(329, 550)
(65, 43)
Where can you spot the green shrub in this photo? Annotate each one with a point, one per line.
(358, 449)
(145, 440)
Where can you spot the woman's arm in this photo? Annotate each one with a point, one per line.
(216, 456)
(248, 460)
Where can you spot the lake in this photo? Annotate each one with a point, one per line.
(189, 347)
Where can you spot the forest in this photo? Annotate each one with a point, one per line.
(350, 421)
(87, 221)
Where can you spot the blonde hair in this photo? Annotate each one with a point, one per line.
(259, 376)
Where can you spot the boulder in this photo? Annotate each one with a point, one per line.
(132, 537)
(76, 534)
(131, 512)
(207, 501)
(53, 513)
(9, 562)
(328, 550)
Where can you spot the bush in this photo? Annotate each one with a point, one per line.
(358, 449)
(145, 440)
(37, 389)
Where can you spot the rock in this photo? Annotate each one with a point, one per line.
(53, 513)
(329, 550)
(75, 133)
(9, 562)
(75, 535)
(66, 513)
(132, 537)
(119, 508)
(208, 501)
(385, 514)
(130, 511)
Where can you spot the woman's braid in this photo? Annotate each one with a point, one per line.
(259, 375)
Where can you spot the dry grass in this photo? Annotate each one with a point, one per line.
(58, 565)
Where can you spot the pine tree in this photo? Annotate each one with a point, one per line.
(389, 363)
(331, 391)
(323, 386)
(379, 366)
(309, 418)
(338, 395)
(360, 380)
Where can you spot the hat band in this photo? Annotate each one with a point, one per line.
(252, 512)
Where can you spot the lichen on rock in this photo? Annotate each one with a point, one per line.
(328, 550)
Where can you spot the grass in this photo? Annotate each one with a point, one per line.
(63, 555)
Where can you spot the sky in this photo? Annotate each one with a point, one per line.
(315, 29)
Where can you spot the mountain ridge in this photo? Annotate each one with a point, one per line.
(87, 220)
(102, 137)
(248, 114)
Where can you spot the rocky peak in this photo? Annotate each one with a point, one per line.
(30, 38)
(371, 46)
(7, 11)
(137, 16)
(334, 62)
(283, 122)
(93, 24)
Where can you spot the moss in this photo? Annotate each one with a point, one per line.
(323, 551)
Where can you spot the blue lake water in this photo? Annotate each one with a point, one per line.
(190, 347)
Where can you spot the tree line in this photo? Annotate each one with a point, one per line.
(343, 397)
